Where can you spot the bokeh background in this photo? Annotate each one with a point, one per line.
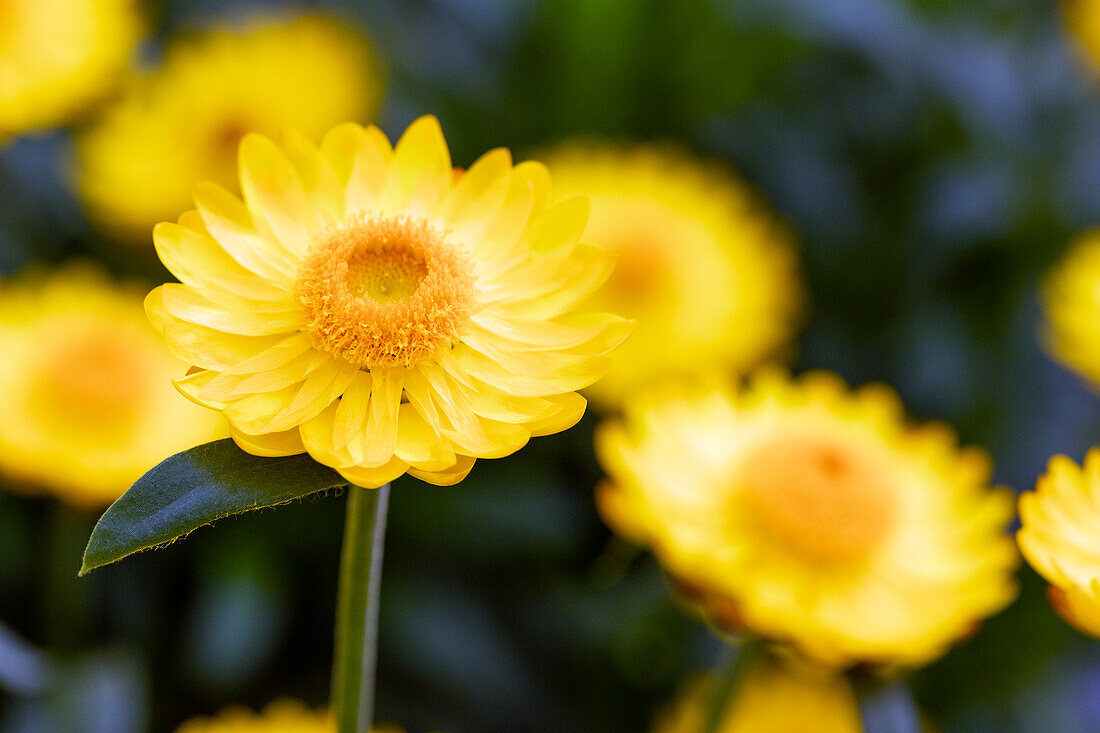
(933, 158)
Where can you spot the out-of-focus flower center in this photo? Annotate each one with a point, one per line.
(385, 291)
(640, 266)
(88, 383)
(817, 497)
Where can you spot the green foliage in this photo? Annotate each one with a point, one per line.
(196, 487)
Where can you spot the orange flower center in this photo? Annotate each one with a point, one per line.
(91, 384)
(385, 291)
(817, 497)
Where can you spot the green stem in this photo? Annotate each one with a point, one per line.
(727, 682)
(357, 609)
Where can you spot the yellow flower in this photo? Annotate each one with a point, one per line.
(1083, 21)
(775, 697)
(281, 716)
(813, 515)
(366, 307)
(1071, 297)
(707, 274)
(180, 123)
(1060, 537)
(84, 383)
(57, 56)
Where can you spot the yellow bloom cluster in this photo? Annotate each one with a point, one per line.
(280, 716)
(1071, 297)
(1083, 22)
(1060, 527)
(85, 386)
(365, 306)
(180, 123)
(708, 275)
(775, 696)
(57, 56)
(813, 515)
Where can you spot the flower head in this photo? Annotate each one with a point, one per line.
(1060, 537)
(708, 275)
(365, 306)
(57, 56)
(85, 385)
(1071, 298)
(280, 716)
(775, 696)
(181, 122)
(812, 515)
(1082, 19)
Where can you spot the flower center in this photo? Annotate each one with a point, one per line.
(385, 291)
(91, 384)
(818, 498)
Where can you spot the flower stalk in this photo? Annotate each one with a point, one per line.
(356, 649)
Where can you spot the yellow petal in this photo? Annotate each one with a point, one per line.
(499, 247)
(374, 443)
(314, 172)
(449, 477)
(198, 260)
(561, 226)
(479, 193)
(285, 443)
(231, 313)
(369, 171)
(202, 346)
(564, 332)
(290, 347)
(317, 434)
(231, 224)
(587, 269)
(560, 367)
(419, 444)
(226, 387)
(372, 477)
(352, 410)
(275, 195)
(421, 170)
(567, 411)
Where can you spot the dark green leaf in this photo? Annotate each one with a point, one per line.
(196, 487)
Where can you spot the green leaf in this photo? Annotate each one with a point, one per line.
(196, 487)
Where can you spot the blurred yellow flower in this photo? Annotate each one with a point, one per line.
(1083, 21)
(775, 696)
(180, 123)
(84, 382)
(1060, 537)
(708, 275)
(1071, 297)
(813, 515)
(366, 307)
(57, 56)
(281, 716)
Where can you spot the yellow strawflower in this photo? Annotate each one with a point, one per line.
(775, 696)
(706, 272)
(1071, 297)
(367, 307)
(1083, 22)
(57, 56)
(84, 384)
(1060, 537)
(180, 123)
(813, 515)
(281, 716)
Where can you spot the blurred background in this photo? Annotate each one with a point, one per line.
(932, 159)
